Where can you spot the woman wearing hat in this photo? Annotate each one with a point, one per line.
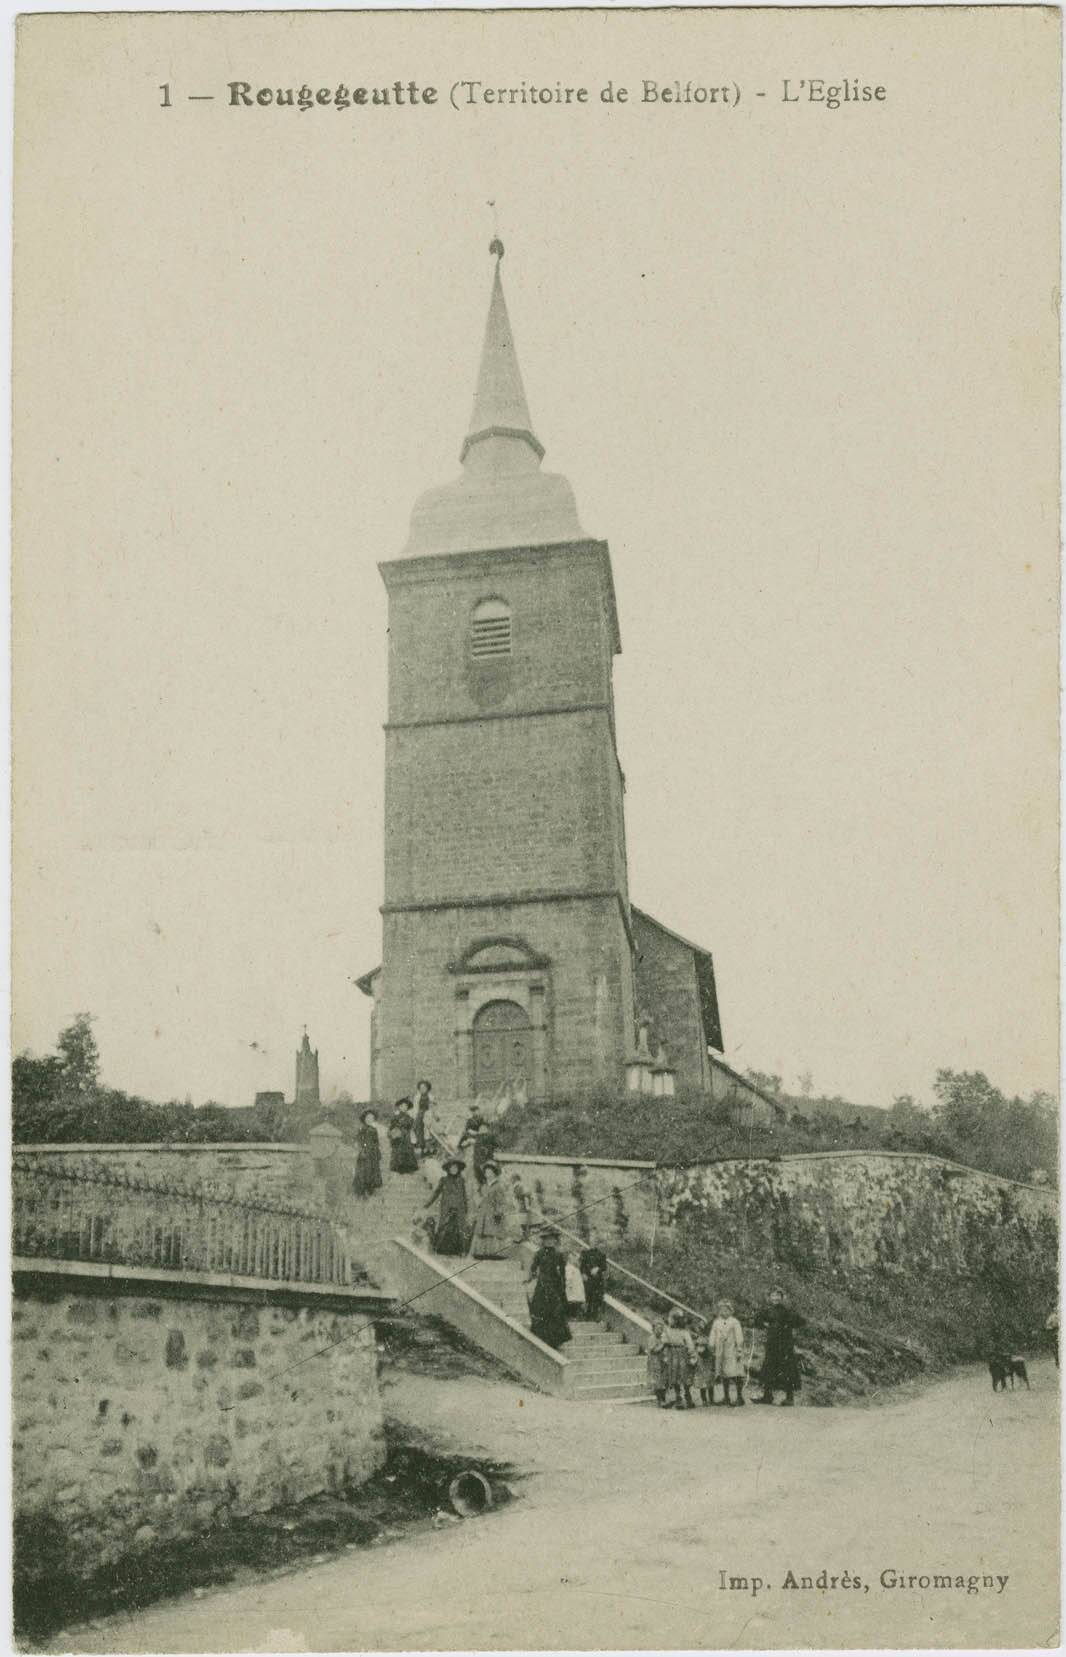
(368, 1161)
(547, 1309)
(450, 1231)
(402, 1159)
(491, 1240)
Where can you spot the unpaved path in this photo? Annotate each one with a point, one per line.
(629, 1514)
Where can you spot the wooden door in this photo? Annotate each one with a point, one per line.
(503, 1049)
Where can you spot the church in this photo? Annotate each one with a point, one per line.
(514, 964)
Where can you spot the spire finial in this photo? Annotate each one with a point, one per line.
(495, 246)
(499, 401)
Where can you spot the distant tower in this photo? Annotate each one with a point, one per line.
(306, 1075)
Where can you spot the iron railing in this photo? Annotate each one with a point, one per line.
(90, 1213)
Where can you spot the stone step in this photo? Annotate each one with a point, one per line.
(620, 1390)
(594, 1375)
(606, 1357)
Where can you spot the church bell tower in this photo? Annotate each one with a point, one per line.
(507, 962)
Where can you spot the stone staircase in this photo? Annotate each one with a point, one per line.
(598, 1363)
(603, 1364)
(386, 1214)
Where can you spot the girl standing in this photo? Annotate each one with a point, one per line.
(657, 1362)
(575, 1289)
(704, 1378)
(680, 1359)
(727, 1350)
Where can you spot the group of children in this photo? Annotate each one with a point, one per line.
(681, 1358)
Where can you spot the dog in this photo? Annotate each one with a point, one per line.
(1003, 1366)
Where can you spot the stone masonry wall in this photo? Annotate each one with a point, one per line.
(668, 994)
(589, 988)
(613, 1202)
(292, 1176)
(859, 1211)
(849, 1208)
(140, 1418)
(502, 783)
(845, 1210)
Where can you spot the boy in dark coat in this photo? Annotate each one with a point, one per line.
(593, 1267)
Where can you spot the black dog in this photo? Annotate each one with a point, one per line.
(1003, 1367)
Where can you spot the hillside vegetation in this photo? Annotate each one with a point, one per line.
(59, 1098)
(864, 1332)
(970, 1121)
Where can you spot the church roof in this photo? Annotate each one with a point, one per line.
(502, 499)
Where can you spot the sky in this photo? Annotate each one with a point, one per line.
(802, 381)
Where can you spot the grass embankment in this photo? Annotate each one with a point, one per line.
(864, 1331)
(674, 1132)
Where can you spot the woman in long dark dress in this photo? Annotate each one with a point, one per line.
(450, 1231)
(368, 1162)
(402, 1159)
(780, 1368)
(547, 1309)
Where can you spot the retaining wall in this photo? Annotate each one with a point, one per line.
(854, 1209)
(149, 1406)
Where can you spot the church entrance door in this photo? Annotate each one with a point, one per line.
(503, 1049)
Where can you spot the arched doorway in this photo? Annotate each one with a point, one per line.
(503, 1049)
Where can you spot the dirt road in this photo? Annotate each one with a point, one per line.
(629, 1516)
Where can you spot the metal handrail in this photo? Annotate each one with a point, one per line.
(614, 1264)
(62, 1214)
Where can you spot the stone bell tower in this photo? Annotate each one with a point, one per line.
(306, 1092)
(507, 960)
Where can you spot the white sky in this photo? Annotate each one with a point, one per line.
(801, 375)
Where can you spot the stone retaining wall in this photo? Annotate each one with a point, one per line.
(839, 1208)
(856, 1208)
(151, 1406)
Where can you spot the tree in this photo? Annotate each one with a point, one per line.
(34, 1081)
(985, 1128)
(79, 1058)
(806, 1084)
(764, 1082)
(906, 1113)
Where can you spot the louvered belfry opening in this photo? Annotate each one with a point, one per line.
(491, 635)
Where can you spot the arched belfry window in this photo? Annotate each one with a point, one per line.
(490, 633)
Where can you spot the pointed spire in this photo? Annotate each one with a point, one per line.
(500, 408)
